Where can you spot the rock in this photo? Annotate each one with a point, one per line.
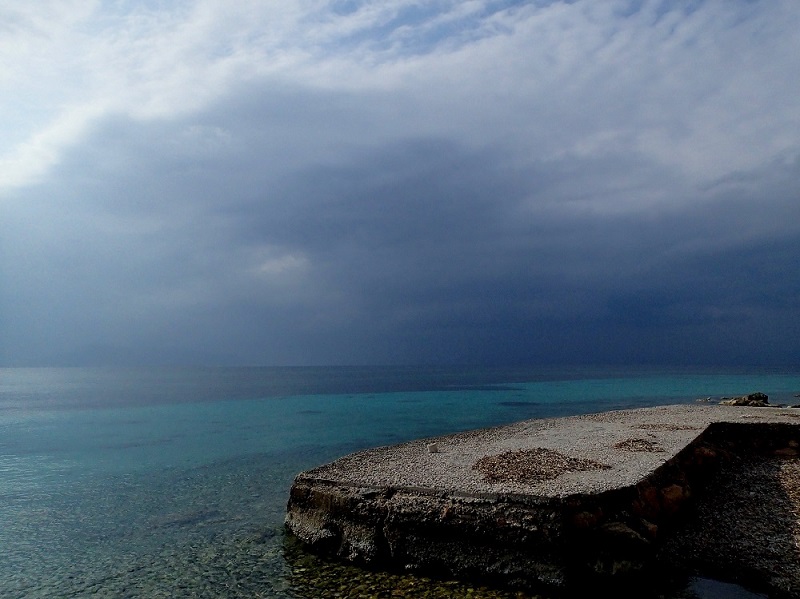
(433, 448)
(757, 400)
(535, 538)
(673, 498)
(786, 452)
(622, 534)
(584, 520)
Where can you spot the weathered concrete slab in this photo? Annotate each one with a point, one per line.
(536, 503)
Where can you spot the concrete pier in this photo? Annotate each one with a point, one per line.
(539, 504)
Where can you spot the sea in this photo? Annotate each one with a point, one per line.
(173, 482)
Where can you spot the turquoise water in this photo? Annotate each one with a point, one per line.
(173, 482)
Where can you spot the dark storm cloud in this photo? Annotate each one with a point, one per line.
(421, 249)
(523, 213)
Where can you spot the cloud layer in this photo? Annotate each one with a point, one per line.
(379, 182)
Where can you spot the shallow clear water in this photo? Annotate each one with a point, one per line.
(173, 482)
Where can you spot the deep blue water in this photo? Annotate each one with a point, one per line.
(174, 482)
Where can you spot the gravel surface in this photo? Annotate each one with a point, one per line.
(627, 444)
(749, 520)
(531, 465)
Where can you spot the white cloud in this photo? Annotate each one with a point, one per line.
(71, 64)
(705, 92)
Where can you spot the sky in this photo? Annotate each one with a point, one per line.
(316, 182)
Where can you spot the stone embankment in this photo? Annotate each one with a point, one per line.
(541, 504)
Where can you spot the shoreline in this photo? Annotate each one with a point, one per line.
(601, 495)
